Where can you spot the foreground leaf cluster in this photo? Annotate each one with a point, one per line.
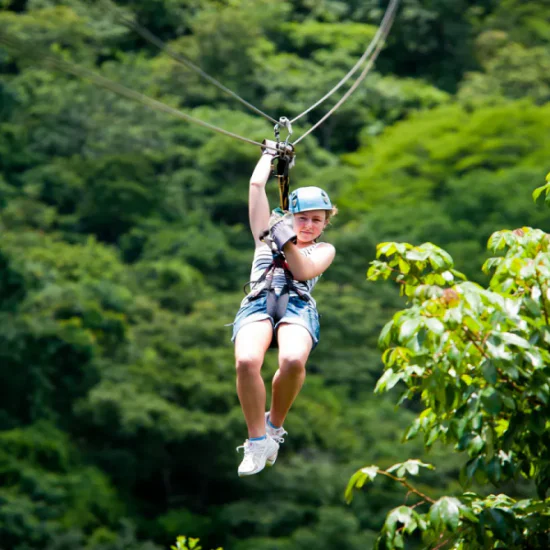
(477, 362)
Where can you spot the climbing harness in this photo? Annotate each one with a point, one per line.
(276, 302)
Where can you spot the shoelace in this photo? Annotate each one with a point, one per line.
(278, 436)
(247, 446)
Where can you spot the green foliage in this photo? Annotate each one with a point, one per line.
(512, 71)
(184, 543)
(125, 245)
(418, 155)
(47, 488)
(477, 361)
(525, 22)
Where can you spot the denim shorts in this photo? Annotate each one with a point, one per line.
(298, 312)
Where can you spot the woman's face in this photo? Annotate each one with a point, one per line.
(309, 225)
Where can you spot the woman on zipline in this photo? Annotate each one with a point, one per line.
(263, 316)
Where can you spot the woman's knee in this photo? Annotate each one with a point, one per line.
(248, 364)
(292, 364)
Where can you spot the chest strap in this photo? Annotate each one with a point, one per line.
(276, 304)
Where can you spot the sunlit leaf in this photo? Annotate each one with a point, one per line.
(444, 514)
(408, 329)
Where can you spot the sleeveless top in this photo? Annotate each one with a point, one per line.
(262, 260)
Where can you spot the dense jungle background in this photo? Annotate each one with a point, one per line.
(124, 247)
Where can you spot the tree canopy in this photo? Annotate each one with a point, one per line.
(125, 245)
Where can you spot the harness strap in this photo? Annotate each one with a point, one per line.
(276, 304)
(285, 159)
(267, 276)
(283, 167)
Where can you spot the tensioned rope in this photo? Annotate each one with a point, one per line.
(156, 41)
(386, 20)
(360, 78)
(103, 82)
(179, 58)
(81, 72)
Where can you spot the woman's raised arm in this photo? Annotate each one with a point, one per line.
(258, 205)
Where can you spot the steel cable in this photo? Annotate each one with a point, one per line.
(377, 43)
(156, 41)
(388, 15)
(101, 81)
(360, 78)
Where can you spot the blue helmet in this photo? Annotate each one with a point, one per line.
(309, 198)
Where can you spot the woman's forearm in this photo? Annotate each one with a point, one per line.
(258, 205)
(262, 170)
(302, 268)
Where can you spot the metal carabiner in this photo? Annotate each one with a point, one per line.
(284, 122)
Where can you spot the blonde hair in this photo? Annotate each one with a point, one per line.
(331, 213)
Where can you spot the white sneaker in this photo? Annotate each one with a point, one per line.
(256, 454)
(277, 434)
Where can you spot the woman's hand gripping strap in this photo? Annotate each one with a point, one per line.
(281, 228)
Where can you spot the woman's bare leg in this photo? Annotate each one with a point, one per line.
(295, 345)
(250, 346)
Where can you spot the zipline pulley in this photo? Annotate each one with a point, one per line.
(286, 159)
(283, 122)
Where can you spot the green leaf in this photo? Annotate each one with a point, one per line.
(497, 241)
(532, 306)
(489, 371)
(417, 255)
(445, 513)
(535, 359)
(434, 325)
(475, 445)
(492, 401)
(500, 521)
(497, 350)
(469, 471)
(388, 380)
(385, 249)
(539, 190)
(358, 479)
(537, 423)
(413, 430)
(494, 470)
(408, 329)
(508, 402)
(410, 466)
(404, 266)
(385, 335)
(468, 513)
(370, 471)
(402, 515)
(514, 339)
(436, 261)
(355, 478)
